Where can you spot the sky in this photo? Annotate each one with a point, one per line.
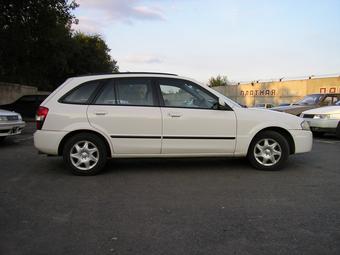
(244, 40)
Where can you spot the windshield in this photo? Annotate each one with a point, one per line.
(310, 100)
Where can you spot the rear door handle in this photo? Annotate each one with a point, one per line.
(100, 113)
(174, 114)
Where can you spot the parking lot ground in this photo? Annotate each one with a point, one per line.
(169, 206)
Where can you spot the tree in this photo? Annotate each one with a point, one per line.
(38, 47)
(90, 55)
(218, 81)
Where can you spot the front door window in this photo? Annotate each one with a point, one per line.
(183, 94)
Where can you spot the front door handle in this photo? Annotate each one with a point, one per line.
(174, 114)
(100, 113)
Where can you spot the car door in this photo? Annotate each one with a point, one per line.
(192, 124)
(126, 109)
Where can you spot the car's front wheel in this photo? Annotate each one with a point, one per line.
(85, 154)
(268, 151)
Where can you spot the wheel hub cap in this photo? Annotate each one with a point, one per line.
(267, 152)
(84, 155)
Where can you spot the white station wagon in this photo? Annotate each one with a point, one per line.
(128, 115)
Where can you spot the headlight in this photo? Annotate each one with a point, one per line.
(321, 116)
(305, 125)
(3, 118)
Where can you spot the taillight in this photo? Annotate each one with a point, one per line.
(41, 116)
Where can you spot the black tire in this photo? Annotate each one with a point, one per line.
(94, 140)
(272, 136)
(2, 138)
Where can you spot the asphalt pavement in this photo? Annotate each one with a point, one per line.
(169, 206)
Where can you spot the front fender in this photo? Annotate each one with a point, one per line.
(251, 122)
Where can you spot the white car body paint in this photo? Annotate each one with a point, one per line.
(239, 125)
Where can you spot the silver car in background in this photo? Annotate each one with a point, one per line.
(11, 123)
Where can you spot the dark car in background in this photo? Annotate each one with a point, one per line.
(26, 105)
(309, 102)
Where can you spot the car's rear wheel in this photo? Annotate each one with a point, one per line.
(85, 154)
(269, 150)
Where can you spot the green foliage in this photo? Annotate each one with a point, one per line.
(37, 46)
(218, 81)
(91, 55)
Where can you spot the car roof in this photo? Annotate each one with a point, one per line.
(85, 78)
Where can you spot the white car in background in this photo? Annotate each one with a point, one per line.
(324, 119)
(129, 115)
(11, 123)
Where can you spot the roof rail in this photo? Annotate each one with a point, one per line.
(147, 73)
(90, 74)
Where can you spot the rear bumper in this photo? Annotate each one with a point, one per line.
(303, 140)
(47, 142)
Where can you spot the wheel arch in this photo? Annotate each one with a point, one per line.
(75, 132)
(284, 132)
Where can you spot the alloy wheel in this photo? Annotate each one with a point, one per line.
(84, 155)
(267, 152)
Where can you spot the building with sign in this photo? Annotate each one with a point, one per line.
(280, 91)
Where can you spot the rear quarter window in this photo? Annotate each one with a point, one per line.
(81, 94)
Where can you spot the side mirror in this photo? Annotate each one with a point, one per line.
(222, 105)
(221, 102)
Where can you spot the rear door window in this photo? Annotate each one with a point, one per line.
(135, 91)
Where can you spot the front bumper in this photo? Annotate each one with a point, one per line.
(323, 125)
(303, 140)
(9, 128)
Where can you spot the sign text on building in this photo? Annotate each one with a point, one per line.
(258, 92)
